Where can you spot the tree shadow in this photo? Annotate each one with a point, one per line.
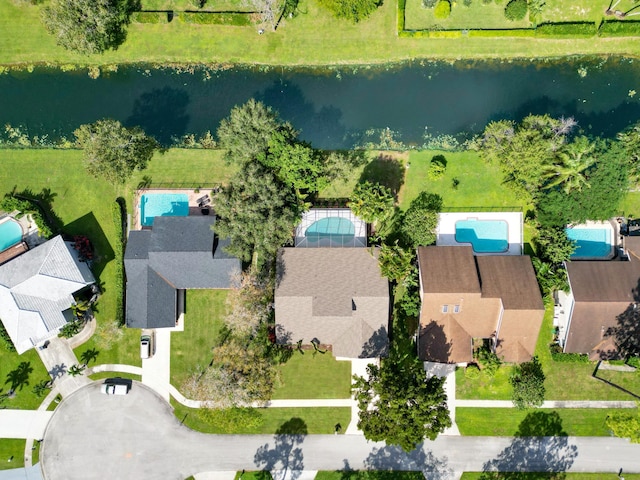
(58, 370)
(377, 345)
(161, 113)
(540, 446)
(385, 170)
(284, 459)
(433, 344)
(391, 458)
(42, 201)
(89, 355)
(626, 332)
(19, 377)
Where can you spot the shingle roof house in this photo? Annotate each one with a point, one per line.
(334, 295)
(600, 292)
(36, 292)
(178, 253)
(465, 297)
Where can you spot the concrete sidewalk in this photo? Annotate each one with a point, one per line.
(23, 423)
(27, 473)
(57, 358)
(156, 371)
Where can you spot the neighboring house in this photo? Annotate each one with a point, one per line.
(36, 292)
(469, 300)
(332, 296)
(177, 254)
(601, 292)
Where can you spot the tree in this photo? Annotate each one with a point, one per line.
(553, 245)
(399, 405)
(527, 380)
(248, 305)
(353, 10)
(516, 10)
(630, 142)
(442, 10)
(76, 370)
(372, 202)
(257, 212)
(395, 261)
(625, 425)
(421, 219)
(246, 132)
(88, 26)
(551, 278)
(569, 171)
(40, 388)
(113, 151)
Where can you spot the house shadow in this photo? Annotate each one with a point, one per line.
(161, 113)
(433, 344)
(284, 459)
(540, 446)
(385, 170)
(89, 226)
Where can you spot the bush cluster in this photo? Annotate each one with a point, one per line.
(574, 29)
(516, 10)
(119, 211)
(619, 28)
(5, 340)
(442, 10)
(149, 17)
(437, 167)
(215, 18)
(10, 203)
(558, 356)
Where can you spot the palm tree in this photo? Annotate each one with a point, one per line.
(88, 355)
(76, 370)
(569, 171)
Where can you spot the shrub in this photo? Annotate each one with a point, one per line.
(210, 18)
(558, 356)
(353, 10)
(119, 215)
(445, 34)
(516, 10)
(442, 10)
(511, 32)
(149, 17)
(573, 29)
(619, 28)
(437, 167)
(10, 203)
(5, 340)
(71, 328)
(489, 361)
(429, 3)
(472, 371)
(467, 3)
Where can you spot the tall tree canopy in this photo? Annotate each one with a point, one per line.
(421, 219)
(373, 202)
(399, 405)
(88, 26)
(353, 10)
(113, 151)
(257, 212)
(527, 380)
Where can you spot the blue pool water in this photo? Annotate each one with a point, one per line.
(485, 236)
(339, 229)
(10, 234)
(162, 205)
(590, 242)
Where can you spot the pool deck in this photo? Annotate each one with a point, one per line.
(597, 225)
(193, 197)
(446, 232)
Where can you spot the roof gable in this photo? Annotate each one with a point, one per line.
(445, 269)
(512, 279)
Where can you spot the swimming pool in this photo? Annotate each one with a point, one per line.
(338, 229)
(485, 236)
(10, 234)
(162, 205)
(591, 242)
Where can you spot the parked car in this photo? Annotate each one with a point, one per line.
(116, 386)
(146, 346)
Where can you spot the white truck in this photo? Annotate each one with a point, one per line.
(115, 386)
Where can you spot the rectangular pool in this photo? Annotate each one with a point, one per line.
(591, 242)
(162, 205)
(485, 236)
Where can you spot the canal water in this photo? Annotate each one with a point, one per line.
(333, 108)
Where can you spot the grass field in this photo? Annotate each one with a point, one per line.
(317, 420)
(203, 319)
(566, 476)
(11, 449)
(309, 376)
(507, 421)
(314, 37)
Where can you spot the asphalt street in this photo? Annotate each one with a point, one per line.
(96, 436)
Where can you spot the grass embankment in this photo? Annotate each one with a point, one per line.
(314, 37)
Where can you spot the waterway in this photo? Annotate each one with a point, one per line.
(332, 108)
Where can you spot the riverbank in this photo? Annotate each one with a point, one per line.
(313, 38)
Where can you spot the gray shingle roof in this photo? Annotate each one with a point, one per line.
(336, 295)
(178, 253)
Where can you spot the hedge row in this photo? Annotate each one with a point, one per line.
(202, 18)
(150, 17)
(558, 356)
(119, 211)
(610, 28)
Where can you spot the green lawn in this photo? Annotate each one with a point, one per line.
(566, 476)
(204, 313)
(477, 15)
(507, 421)
(309, 376)
(480, 184)
(317, 420)
(314, 37)
(369, 475)
(11, 448)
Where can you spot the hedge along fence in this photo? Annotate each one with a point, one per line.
(510, 32)
(119, 210)
(401, 9)
(573, 29)
(236, 19)
(150, 17)
(619, 28)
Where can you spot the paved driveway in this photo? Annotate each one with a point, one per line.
(137, 436)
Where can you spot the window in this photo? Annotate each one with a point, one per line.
(445, 308)
(456, 309)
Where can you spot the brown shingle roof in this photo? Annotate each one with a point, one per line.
(512, 279)
(336, 295)
(448, 269)
(589, 323)
(604, 281)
